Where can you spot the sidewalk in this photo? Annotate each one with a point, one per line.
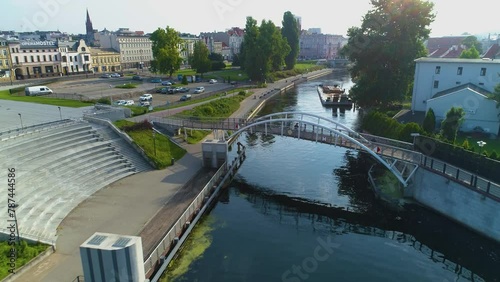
(128, 205)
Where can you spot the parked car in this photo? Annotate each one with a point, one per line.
(129, 103)
(184, 90)
(166, 83)
(234, 82)
(212, 81)
(136, 77)
(155, 80)
(119, 102)
(145, 104)
(185, 97)
(115, 75)
(172, 90)
(146, 97)
(163, 90)
(199, 89)
(106, 75)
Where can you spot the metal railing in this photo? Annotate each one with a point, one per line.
(467, 178)
(169, 240)
(36, 127)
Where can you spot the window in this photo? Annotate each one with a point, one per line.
(76, 59)
(459, 70)
(458, 82)
(44, 58)
(483, 72)
(32, 59)
(50, 58)
(17, 60)
(25, 59)
(86, 58)
(71, 59)
(38, 58)
(83, 49)
(64, 59)
(436, 83)
(438, 69)
(4, 52)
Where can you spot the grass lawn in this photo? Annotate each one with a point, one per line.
(304, 66)
(5, 95)
(233, 74)
(491, 144)
(25, 253)
(158, 149)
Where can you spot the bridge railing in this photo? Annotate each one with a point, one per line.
(387, 141)
(470, 179)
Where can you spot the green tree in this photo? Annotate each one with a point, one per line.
(199, 59)
(280, 50)
(429, 124)
(236, 60)
(384, 48)
(471, 41)
(250, 50)
(451, 123)
(165, 47)
(407, 129)
(470, 53)
(291, 33)
(216, 61)
(184, 80)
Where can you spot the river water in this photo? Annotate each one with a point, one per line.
(301, 211)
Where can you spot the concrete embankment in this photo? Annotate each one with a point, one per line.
(475, 210)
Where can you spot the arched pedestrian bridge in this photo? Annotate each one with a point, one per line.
(401, 162)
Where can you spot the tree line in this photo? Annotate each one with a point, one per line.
(265, 48)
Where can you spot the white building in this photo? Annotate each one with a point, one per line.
(34, 59)
(135, 48)
(75, 57)
(236, 36)
(442, 83)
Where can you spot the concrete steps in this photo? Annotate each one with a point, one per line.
(59, 167)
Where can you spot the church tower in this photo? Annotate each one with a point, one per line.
(90, 31)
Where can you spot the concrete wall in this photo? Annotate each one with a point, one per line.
(457, 202)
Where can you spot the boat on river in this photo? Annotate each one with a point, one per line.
(334, 96)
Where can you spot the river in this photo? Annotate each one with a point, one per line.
(302, 211)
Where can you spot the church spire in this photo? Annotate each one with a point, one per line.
(88, 24)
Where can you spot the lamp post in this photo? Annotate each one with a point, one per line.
(17, 224)
(481, 144)
(60, 114)
(21, 118)
(414, 135)
(154, 141)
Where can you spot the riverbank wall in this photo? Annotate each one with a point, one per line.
(477, 211)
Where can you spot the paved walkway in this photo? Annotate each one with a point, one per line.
(126, 207)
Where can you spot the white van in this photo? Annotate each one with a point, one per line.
(37, 90)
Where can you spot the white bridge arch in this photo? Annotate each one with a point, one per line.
(294, 124)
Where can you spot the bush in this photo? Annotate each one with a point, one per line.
(242, 93)
(184, 80)
(466, 145)
(104, 100)
(429, 124)
(126, 86)
(494, 155)
(138, 126)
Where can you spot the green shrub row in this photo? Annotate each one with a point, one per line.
(380, 124)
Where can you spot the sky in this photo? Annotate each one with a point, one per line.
(195, 16)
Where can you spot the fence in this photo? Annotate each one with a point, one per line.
(171, 238)
(16, 131)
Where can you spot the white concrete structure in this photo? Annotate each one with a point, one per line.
(111, 257)
(442, 83)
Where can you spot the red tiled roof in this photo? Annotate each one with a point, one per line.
(493, 52)
(454, 52)
(434, 43)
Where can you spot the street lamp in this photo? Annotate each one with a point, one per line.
(154, 141)
(21, 118)
(60, 114)
(481, 144)
(414, 135)
(17, 224)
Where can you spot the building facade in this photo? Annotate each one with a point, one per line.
(5, 61)
(442, 83)
(105, 60)
(236, 36)
(135, 48)
(75, 57)
(186, 48)
(33, 59)
(320, 46)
